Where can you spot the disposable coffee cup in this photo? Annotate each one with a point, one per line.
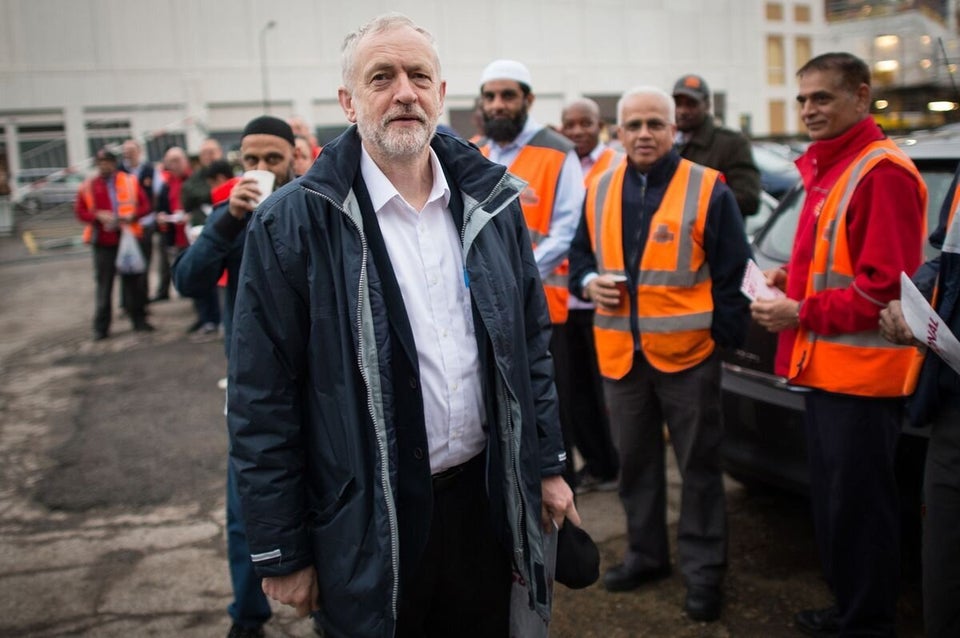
(265, 181)
(621, 283)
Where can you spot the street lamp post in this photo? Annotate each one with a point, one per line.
(263, 64)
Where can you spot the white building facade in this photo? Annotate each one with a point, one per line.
(75, 74)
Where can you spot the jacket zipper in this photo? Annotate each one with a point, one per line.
(515, 474)
(384, 456)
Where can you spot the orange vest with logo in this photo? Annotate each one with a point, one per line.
(539, 164)
(127, 188)
(674, 289)
(860, 363)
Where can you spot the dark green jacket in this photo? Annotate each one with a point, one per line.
(729, 152)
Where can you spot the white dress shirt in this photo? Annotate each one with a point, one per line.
(427, 257)
(567, 204)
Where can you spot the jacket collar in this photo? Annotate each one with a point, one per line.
(662, 170)
(823, 155)
(334, 172)
(703, 136)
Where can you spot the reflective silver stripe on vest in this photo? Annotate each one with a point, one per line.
(691, 205)
(866, 339)
(951, 241)
(608, 322)
(834, 280)
(553, 279)
(674, 278)
(676, 323)
(603, 185)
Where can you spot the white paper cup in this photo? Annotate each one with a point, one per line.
(265, 180)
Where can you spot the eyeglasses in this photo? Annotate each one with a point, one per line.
(654, 126)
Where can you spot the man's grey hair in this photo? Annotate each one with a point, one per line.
(381, 23)
(652, 91)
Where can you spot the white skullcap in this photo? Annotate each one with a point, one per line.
(506, 70)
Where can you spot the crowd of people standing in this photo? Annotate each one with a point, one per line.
(424, 333)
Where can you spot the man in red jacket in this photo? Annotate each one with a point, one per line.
(109, 203)
(862, 223)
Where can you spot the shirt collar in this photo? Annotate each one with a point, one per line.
(382, 191)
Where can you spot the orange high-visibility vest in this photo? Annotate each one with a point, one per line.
(128, 199)
(860, 363)
(539, 164)
(674, 301)
(608, 158)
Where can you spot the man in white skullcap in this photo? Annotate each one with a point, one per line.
(552, 200)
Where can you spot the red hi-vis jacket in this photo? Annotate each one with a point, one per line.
(539, 164)
(675, 305)
(94, 196)
(860, 363)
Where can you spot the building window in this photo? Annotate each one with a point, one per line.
(776, 75)
(778, 117)
(802, 51)
(801, 13)
(774, 11)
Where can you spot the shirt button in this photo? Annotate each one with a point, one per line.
(417, 453)
(413, 383)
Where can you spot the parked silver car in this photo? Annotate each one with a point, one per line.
(40, 189)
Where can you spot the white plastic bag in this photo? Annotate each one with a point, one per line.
(129, 256)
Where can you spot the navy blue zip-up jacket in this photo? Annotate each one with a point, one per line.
(938, 384)
(725, 242)
(219, 247)
(312, 389)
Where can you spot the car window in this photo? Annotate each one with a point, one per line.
(776, 240)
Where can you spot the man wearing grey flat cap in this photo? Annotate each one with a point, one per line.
(552, 200)
(703, 142)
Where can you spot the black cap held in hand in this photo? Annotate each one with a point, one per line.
(578, 559)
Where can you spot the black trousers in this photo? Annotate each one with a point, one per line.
(941, 532)
(462, 585)
(689, 402)
(586, 408)
(851, 445)
(105, 270)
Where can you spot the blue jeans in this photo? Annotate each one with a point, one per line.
(249, 607)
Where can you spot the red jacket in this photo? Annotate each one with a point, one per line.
(884, 236)
(101, 201)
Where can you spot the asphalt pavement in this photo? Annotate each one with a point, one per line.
(112, 461)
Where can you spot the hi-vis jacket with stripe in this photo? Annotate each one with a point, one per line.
(539, 164)
(127, 190)
(860, 363)
(673, 304)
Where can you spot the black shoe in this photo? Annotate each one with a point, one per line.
(100, 335)
(239, 631)
(143, 326)
(621, 578)
(818, 622)
(703, 603)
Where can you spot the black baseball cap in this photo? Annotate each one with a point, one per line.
(692, 86)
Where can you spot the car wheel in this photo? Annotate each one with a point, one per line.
(29, 205)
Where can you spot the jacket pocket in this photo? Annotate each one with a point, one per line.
(331, 502)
